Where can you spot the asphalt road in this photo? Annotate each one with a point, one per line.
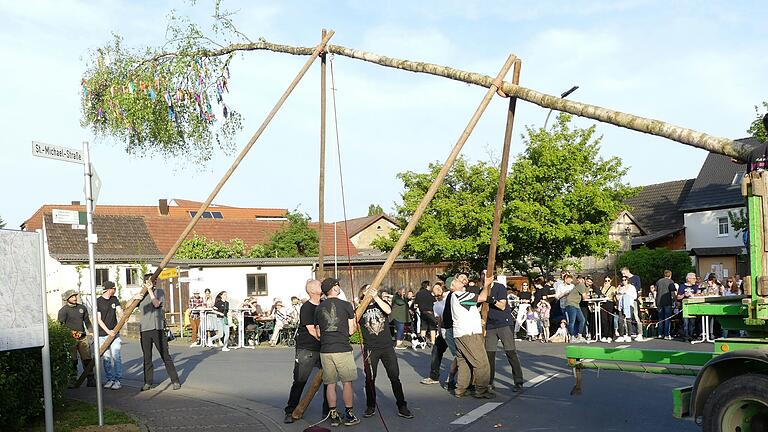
(610, 401)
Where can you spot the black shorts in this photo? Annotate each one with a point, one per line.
(428, 322)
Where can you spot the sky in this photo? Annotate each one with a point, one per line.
(699, 65)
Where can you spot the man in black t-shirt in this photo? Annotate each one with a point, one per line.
(335, 320)
(108, 311)
(498, 329)
(425, 301)
(307, 350)
(74, 316)
(377, 343)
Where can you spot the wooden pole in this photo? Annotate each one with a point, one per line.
(212, 196)
(374, 287)
(320, 274)
(500, 194)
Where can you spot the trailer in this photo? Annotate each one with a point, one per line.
(730, 392)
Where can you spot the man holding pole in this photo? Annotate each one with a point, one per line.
(75, 317)
(109, 312)
(498, 329)
(470, 344)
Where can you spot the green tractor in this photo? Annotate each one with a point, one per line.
(730, 392)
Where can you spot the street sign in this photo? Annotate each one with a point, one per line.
(95, 185)
(69, 217)
(168, 273)
(55, 152)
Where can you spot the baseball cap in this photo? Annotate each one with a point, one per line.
(108, 285)
(327, 284)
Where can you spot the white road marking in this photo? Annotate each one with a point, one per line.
(476, 413)
(623, 346)
(535, 381)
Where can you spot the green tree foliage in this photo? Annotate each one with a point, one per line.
(21, 383)
(560, 200)
(375, 209)
(650, 264)
(296, 239)
(200, 247)
(756, 128)
(169, 99)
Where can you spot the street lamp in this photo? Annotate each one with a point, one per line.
(563, 95)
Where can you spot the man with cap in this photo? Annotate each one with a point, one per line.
(470, 343)
(75, 317)
(336, 322)
(195, 304)
(109, 313)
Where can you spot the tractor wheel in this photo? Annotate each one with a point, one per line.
(739, 404)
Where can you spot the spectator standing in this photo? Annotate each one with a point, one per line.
(562, 288)
(336, 321)
(665, 302)
(400, 316)
(280, 314)
(687, 290)
(307, 350)
(608, 312)
(74, 316)
(439, 347)
(221, 308)
(468, 334)
(425, 301)
(109, 312)
(498, 329)
(152, 325)
(634, 280)
(573, 310)
(195, 304)
(627, 296)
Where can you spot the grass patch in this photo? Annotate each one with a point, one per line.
(77, 414)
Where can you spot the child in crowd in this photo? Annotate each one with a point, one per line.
(532, 324)
(561, 335)
(544, 312)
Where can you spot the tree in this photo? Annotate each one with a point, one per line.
(650, 264)
(159, 99)
(756, 128)
(2, 223)
(560, 200)
(199, 247)
(296, 239)
(375, 210)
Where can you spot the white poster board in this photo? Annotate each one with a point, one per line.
(21, 299)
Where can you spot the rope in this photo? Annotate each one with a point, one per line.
(366, 363)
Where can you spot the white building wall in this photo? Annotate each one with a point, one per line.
(701, 230)
(282, 282)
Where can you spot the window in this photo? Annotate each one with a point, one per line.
(722, 226)
(217, 215)
(257, 284)
(131, 276)
(378, 227)
(737, 178)
(208, 214)
(101, 276)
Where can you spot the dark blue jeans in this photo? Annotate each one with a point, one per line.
(575, 316)
(665, 323)
(399, 330)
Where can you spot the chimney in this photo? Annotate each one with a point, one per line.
(75, 202)
(163, 205)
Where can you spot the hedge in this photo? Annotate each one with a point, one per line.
(650, 264)
(21, 378)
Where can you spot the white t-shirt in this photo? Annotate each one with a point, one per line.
(466, 318)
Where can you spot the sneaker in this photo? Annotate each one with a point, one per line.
(176, 386)
(487, 395)
(608, 340)
(225, 349)
(145, 387)
(400, 345)
(429, 381)
(350, 419)
(288, 418)
(369, 412)
(668, 338)
(116, 385)
(194, 345)
(517, 388)
(334, 418)
(639, 338)
(109, 384)
(404, 412)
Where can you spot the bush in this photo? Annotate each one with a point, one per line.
(21, 378)
(356, 338)
(650, 264)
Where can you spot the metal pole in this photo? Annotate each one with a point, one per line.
(335, 253)
(321, 203)
(92, 265)
(374, 287)
(47, 392)
(563, 95)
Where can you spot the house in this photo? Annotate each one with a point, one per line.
(363, 230)
(622, 230)
(658, 210)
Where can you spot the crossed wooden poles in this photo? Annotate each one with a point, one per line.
(319, 51)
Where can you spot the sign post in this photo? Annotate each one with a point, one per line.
(92, 240)
(47, 391)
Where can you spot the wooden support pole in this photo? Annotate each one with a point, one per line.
(172, 251)
(374, 287)
(320, 274)
(500, 193)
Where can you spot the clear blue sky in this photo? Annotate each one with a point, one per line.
(696, 64)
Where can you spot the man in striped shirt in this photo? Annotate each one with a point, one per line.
(470, 343)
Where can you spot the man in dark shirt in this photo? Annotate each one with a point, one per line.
(377, 344)
(666, 294)
(335, 320)
(685, 291)
(498, 329)
(74, 316)
(109, 312)
(425, 301)
(307, 350)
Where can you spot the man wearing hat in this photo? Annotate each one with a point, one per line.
(109, 312)
(335, 319)
(75, 317)
(195, 304)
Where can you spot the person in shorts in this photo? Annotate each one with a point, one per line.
(336, 322)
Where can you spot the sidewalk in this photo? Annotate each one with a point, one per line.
(163, 409)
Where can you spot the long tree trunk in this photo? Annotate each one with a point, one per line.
(683, 135)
